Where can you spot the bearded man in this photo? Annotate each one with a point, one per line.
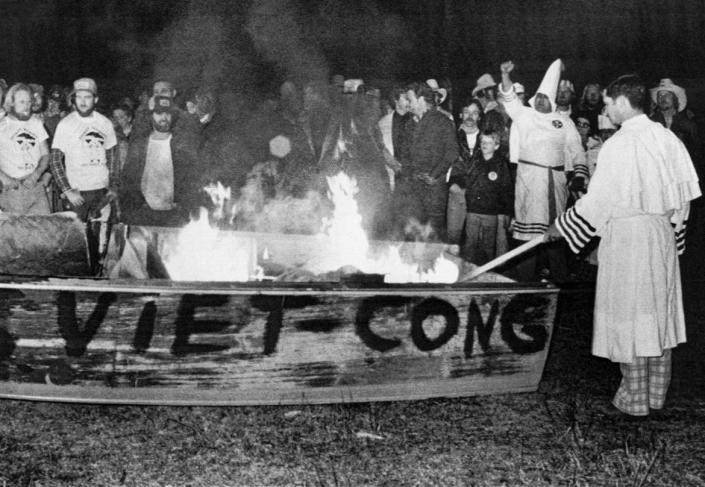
(85, 166)
(159, 183)
(83, 157)
(24, 156)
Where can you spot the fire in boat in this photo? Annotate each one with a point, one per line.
(205, 315)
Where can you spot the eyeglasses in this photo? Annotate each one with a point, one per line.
(583, 125)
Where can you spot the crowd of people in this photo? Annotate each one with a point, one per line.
(618, 164)
(485, 176)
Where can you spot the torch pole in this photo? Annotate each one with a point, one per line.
(525, 247)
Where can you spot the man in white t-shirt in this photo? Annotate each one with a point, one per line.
(159, 181)
(83, 158)
(84, 162)
(24, 155)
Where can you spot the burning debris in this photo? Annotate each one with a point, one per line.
(202, 251)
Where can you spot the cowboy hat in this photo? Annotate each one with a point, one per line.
(435, 87)
(352, 85)
(484, 81)
(667, 85)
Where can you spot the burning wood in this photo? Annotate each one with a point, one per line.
(202, 252)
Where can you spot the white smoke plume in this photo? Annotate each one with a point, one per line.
(255, 211)
(278, 31)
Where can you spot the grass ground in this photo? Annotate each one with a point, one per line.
(556, 436)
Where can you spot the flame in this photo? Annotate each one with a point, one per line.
(347, 244)
(203, 252)
(220, 196)
(346, 241)
(397, 272)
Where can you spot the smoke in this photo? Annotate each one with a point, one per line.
(415, 231)
(257, 211)
(193, 52)
(356, 39)
(199, 45)
(367, 41)
(277, 30)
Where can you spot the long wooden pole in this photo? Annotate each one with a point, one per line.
(525, 247)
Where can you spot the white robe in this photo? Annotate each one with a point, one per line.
(637, 202)
(538, 142)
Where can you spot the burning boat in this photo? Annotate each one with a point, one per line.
(205, 316)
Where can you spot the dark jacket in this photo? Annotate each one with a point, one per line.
(223, 155)
(402, 135)
(465, 151)
(488, 185)
(187, 180)
(686, 130)
(591, 113)
(434, 146)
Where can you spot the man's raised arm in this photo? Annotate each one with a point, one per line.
(509, 99)
(506, 68)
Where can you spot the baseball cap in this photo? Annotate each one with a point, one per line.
(36, 88)
(162, 88)
(162, 104)
(85, 84)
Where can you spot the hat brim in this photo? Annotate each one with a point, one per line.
(170, 110)
(73, 92)
(676, 90)
(482, 87)
(444, 94)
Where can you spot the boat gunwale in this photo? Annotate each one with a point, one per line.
(166, 286)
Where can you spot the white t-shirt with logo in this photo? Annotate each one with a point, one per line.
(158, 177)
(84, 140)
(19, 146)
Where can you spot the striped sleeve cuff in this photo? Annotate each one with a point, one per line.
(506, 96)
(575, 229)
(680, 237)
(582, 171)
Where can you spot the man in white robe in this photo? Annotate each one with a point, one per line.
(546, 148)
(638, 201)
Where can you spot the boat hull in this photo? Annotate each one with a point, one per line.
(128, 341)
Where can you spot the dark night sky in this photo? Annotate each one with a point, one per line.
(251, 46)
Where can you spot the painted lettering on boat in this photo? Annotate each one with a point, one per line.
(523, 313)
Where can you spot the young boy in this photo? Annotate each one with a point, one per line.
(489, 197)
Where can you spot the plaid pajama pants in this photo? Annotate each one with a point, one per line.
(644, 384)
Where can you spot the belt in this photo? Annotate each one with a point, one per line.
(554, 168)
(551, 187)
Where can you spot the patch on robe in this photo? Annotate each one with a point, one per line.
(558, 124)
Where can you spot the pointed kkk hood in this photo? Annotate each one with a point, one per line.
(549, 84)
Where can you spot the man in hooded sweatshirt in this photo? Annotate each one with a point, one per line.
(547, 151)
